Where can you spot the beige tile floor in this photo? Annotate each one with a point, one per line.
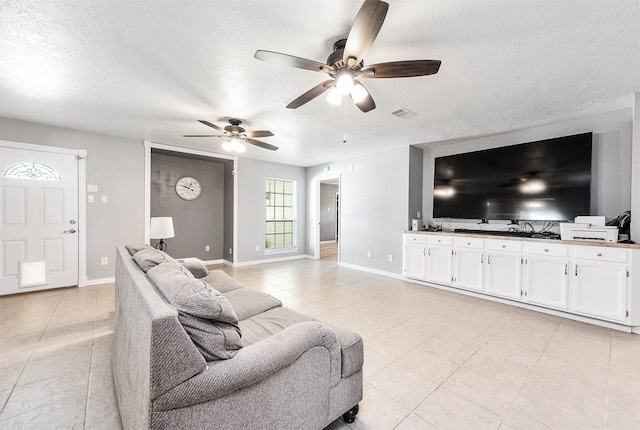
(433, 359)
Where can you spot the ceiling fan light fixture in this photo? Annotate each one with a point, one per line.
(234, 145)
(359, 93)
(344, 83)
(334, 97)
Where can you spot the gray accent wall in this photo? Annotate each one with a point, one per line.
(252, 175)
(611, 163)
(374, 201)
(197, 223)
(328, 208)
(116, 166)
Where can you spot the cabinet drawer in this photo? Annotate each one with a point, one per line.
(550, 249)
(439, 240)
(601, 253)
(415, 238)
(468, 242)
(504, 245)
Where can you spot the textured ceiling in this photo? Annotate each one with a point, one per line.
(148, 70)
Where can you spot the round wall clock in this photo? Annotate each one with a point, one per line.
(188, 188)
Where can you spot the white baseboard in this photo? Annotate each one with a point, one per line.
(322, 242)
(370, 270)
(270, 260)
(218, 261)
(88, 282)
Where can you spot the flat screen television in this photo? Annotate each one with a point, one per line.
(547, 180)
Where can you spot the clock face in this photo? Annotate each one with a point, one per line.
(188, 188)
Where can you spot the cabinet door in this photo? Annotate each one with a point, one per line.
(468, 268)
(414, 261)
(547, 281)
(503, 274)
(439, 264)
(601, 289)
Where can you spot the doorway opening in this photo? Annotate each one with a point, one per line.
(329, 219)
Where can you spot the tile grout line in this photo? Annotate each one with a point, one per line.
(86, 403)
(529, 376)
(606, 401)
(15, 384)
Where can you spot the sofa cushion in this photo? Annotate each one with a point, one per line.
(221, 281)
(150, 257)
(275, 320)
(206, 315)
(268, 323)
(247, 302)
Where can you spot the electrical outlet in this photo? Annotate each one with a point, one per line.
(369, 254)
(104, 199)
(206, 248)
(390, 258)
(230, 251)
(104, 261)
(257, 247)
(91, 198)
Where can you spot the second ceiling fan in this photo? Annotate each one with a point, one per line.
(345, 64)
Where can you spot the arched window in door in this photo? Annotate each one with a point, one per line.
(31, 170)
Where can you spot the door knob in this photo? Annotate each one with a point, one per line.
(73, 230)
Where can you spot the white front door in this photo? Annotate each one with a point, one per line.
(38, 219)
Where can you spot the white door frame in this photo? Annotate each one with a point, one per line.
(81, 156)
(316, 242)
(148, 145)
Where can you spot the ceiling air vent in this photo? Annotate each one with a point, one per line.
(404, 113)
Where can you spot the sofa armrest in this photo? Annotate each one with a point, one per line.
(255, 363)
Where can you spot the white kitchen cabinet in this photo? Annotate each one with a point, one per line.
(439, 259)
(581, 279)
(414, 258)
(503, 268)
(546, 275)
(546, 281)
(468, 263)
(601, 277)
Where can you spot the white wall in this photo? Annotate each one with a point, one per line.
(374, 203)
(612, 161)
(116, 166)
(635, 174)
(251, 208)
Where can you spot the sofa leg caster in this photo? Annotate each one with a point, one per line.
(350, 415)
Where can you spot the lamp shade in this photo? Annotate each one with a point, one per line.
(161, 227)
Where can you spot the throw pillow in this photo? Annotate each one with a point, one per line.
(151, 257)
(206, 315)
(195, 266)
(137, 247)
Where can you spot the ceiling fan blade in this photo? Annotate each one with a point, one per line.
(366, 104)
(291, 61)
(261, 144)
(364, 30)
(258, 133)
(311, 94)
(401, 69)
(211, 125)
(202, 135)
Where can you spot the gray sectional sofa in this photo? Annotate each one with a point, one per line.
(193, 349)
